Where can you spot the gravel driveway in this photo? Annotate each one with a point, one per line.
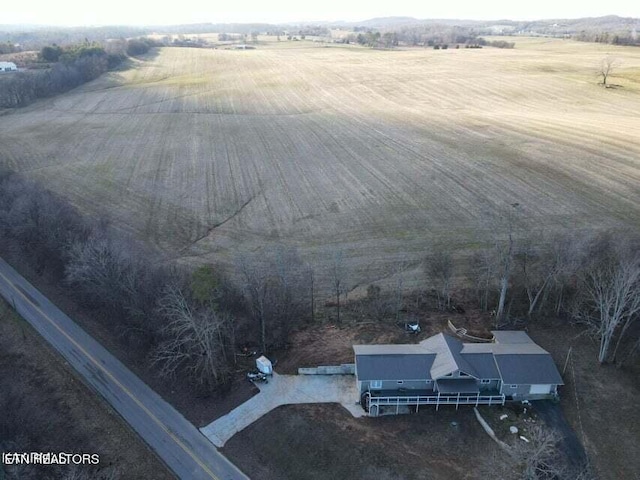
(571, 446)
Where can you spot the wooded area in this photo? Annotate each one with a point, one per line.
(194, 322)
(66, 68)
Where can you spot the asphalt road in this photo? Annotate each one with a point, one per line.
(188, 453)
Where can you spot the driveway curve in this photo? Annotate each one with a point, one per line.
(286, 390)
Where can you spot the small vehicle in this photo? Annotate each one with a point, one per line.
(256, 376)
(412, 328)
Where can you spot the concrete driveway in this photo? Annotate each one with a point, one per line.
(286, 390)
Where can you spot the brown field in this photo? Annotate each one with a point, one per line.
(380, 154)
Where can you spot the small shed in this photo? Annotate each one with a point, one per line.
(8, 67)
(264, 365)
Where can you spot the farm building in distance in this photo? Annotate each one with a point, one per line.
(442, 370)
(8, 67)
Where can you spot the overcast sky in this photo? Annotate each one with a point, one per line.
(145, 12)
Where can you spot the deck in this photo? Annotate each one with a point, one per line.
(374, 403)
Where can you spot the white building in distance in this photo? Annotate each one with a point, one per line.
(8, 67)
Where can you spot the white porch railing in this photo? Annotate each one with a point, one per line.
(374, 403)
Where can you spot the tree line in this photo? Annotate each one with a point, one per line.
(65, 68)
(610, 38)
(592, 279)
(187, 322)
(192, 322)
(435, 36)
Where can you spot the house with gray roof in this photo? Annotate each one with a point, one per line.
(443, 370)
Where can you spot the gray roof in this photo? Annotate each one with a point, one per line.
(514, 358)
(528, 369)
(394, 366)
(484, 365)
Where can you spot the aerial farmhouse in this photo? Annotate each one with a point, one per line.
(444, 370)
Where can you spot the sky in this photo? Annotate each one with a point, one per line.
(160, 12)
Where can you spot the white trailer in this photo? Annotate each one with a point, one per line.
(264, 365)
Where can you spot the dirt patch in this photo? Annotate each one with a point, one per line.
(324, 441)
(50, 409)
(331, 345)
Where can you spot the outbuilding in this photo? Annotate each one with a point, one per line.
(8, 67)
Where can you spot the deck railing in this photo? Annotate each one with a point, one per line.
(374, 403)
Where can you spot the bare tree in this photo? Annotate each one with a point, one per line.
(612, 292)
(338, 281)
(567, 253)
(312, 293)
(607, 65)
(505, 248)
(98, 267)
(483, 273)
(256, 286)
(439, 270)
(197, 341)
(539, 265)
(398, 303)
(377, 302)
(113, 274)
(276, 287)
(540, 458)
(291, 290)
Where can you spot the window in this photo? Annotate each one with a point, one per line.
(376, 384)
(513, 386)
(428, 381)
(485, 381)
(400, 382)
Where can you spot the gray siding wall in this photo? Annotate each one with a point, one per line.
(394, 385)
(521, 392)
(494, 385)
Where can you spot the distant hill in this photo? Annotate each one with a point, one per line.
(38, 35)
(609, 23)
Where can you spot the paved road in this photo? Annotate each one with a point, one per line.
(176, 441)
(286, 390)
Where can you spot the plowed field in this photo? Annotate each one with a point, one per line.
(380, 154)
